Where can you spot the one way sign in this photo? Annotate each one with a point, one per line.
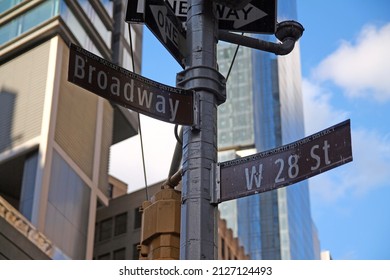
(163, 23)
(259, 16)
(167, 28)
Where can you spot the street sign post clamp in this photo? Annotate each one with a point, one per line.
(196, 112)
(208, 77)
(216, 190)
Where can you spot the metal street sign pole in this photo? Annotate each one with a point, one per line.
(198, 240)
(198, 215)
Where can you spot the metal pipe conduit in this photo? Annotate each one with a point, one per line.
(288, 32)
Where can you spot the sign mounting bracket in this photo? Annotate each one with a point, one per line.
(196, 112)
(216, 190)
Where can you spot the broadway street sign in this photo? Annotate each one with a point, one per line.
(285, 165)
(259, 16)
(130, 90)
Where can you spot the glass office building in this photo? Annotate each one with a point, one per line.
(264, 110)
(54, 136)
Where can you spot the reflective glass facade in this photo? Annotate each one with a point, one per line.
(236, 116)
(66, 222)
(8, 4)
(28, 20)
(54, 148)
(51, 8)
(276, 224)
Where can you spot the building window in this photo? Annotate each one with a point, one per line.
(120, 224)
(108, 5)
(223, 249)
(96, 236)
(110, 190)
(8, 4)
(104, 257)
(28, 20)
(120, 254)
(68, 206)
(105, 229)
(137, 218)
(96, 21)
(135, 251)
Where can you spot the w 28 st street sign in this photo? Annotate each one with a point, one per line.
(285, 165)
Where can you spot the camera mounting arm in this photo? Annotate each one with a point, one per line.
(288, 32)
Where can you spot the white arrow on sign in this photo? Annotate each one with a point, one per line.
(242, 17)
(247, 15)
(166, 27)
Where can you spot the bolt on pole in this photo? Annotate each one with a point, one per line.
(198, 239)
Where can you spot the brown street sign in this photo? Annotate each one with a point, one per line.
(285, 165)
(114, 83)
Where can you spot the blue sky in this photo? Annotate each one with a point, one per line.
(345, 67)
(345, 59)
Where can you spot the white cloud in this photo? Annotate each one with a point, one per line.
(371, 151)
(368, 170)
(361, 68)
(319, 114)
(126, 158)
(372, 154)
(318, 110)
